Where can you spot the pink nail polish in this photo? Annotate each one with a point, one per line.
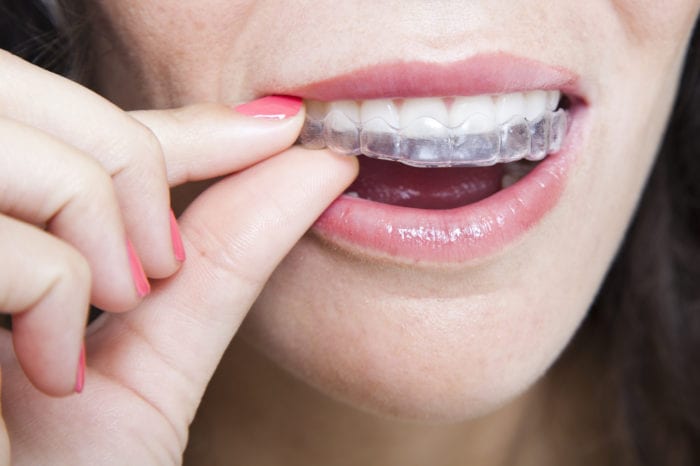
(80, 378)
(140, 280)
(178, 247)
(273, 107)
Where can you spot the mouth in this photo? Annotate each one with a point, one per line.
(445, 179)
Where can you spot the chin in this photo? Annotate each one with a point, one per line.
(422, 345)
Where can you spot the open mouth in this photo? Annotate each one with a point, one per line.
(473, 146)
(445, 179)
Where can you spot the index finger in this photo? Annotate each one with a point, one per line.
(210, 140)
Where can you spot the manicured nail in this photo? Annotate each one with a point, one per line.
(272, 107)
(80, 378)
(178, 247)
(140, 280)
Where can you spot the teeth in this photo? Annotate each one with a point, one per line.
(509, 106)
(475, 114)
(460, 131)
(312, 133)
(316, 110)
(508, 180)
(382, 109)
(424, 118)
(514, 172)
(341, 127)
(349, 108)
(553, 98)
(535, 104)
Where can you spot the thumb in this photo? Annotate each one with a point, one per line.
(236, 233)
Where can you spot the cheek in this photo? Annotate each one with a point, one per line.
(168, 54)
(654, 23)
(151, 20)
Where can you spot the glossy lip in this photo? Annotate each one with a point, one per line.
(466, 233)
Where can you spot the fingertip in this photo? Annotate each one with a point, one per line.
(133, 286)
(176, 238)
(272, 107)
(141, 283)
(80, 372)
(49, 350)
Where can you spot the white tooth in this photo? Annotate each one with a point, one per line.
(515, 171)
(316, 110)
(349, 108)
(553, 98)
(384, 109)
(508, 180)
(343, 116)
(423, 109)
(478, 112)
(508, 106)
(535, 104)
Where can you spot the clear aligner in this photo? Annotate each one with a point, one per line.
(427, 142)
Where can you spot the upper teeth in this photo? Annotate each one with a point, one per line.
(431, 131)
(399, 113)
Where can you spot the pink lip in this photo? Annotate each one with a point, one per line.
(465, 233)
(482, 74)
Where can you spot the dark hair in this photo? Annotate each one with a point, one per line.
(645, 321)
(647, 313)
(29, 30)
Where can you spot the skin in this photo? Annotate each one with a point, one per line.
(457, 351)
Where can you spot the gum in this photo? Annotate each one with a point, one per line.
(428, 143)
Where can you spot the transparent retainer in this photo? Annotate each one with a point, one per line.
(427, 142)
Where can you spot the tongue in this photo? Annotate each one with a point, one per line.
(424, 188)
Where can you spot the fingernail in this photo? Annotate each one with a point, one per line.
(178, 247)
(272, 107)
(142, 285)
(80, 378)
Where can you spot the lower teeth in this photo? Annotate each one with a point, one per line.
(515, 171)
(519, 139)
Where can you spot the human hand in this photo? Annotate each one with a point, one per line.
(91, 174)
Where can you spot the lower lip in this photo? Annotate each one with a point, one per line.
(457, 235)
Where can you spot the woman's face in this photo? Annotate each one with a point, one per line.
(443, 314)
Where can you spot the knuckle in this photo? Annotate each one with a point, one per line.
(64, 272)
(90, 192)
(148, 142)
(146, 148)
(68, 264)
(72, 273)
(72, 292)
(141, 148)
(94, 183)
(79, 269)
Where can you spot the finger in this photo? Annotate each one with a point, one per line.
(240, 228)
(4, 437)
(45, 182)
(127, 150)
(210, 140)
(45, 284)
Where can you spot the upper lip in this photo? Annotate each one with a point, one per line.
(493, 73)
